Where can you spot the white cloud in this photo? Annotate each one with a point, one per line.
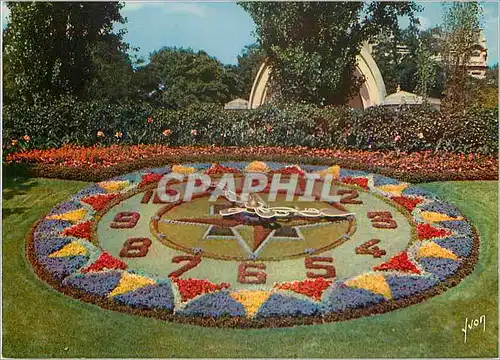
(168, 7)
(5, 13)
(185, 8)
(132, 6)
(424, 23)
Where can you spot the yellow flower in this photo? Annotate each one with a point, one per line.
(432, 217)
(420, 135)
(257, 166)
(118, 134)
(113, 186)
(14, 142)
(100, 134)
(332, 170)
(251, 299)
(73, 216)
(183, 169)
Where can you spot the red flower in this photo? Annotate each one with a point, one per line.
(220, 169)
(99, 202)
(105, 261)
(190, 288)
(426, 231)
(313, 288)
(149, 179)
(362, 182)
(398, 262)
(81, 230)
(407, 202)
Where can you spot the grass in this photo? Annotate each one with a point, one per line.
(40, 322)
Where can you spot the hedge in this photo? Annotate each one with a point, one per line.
(409, 129)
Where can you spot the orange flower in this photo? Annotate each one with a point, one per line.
(14, 142)
(118, 134)
(167, 132)
(100, 134)
(26, 138)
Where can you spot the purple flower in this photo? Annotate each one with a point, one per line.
(459, 227)
(213, 305)
(442, 208)
(158, 296)
(88, 191)
(351, 173)
(415, 191)
(403, 286)
(461, 246)
(283, 305)
(62, 267)
(100, 284)
(343, 297)
(65, 207)
(443, 268)
(160, 170)
(46, 246)
(380, 180)
(50, 228)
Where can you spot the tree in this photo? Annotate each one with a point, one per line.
(461, 29)
(116, 75)
(312, 46)
(182, 76)
(48, 46)
(409, 60)
(249, 63)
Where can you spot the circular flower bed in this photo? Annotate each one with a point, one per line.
(119, 245)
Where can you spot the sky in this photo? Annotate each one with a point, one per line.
(223, 29)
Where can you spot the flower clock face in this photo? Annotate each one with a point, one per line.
(374, 245)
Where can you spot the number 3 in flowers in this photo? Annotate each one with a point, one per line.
(382, 220)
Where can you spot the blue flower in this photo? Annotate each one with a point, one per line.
(461, 246)
(403, 286)
(50, 228)
(283, 305)
(214, 305)
(443, 268)
(442, 208)
(100, 284)
(343, 297)
(379, 180)
(154, 296)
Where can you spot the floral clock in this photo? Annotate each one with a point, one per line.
(118, 245)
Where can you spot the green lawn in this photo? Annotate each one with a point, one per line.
(40, 322)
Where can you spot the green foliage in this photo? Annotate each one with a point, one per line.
(406, 59)
(405, 129)
(181, 77)
(312, 46)
(249, 63)
(461, 29)
(48, 47)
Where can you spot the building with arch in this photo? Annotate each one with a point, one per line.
(372, 91)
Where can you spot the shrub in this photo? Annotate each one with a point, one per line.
(408, 129)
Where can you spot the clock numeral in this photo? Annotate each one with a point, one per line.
(350, 198)
(154, 194)
(136, 247)
(369, 248)
(125, 220)
(382, 220)
(251, 277)
(312, 263)
(193, 261)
